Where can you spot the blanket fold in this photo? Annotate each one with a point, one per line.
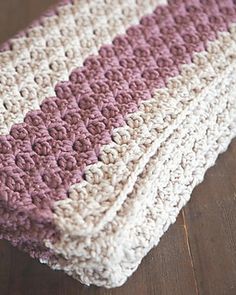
(111, 113)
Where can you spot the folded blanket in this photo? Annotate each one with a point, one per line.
(111, 113)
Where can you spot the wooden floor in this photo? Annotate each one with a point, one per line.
(196, 256)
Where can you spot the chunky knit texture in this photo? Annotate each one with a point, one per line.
(111, 112)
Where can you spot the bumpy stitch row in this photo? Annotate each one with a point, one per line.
(66, 134)
(132, 236)
(32, 211)
(48, 51)
(86, 246)
(104, 192)
(79, 163)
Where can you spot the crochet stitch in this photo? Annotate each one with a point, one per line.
(111, 113)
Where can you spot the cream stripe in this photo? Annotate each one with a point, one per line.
(122, 243)
(94, 202)
(29, 72)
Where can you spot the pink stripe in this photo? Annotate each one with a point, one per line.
(43, 156)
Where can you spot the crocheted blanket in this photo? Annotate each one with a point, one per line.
(111, 112)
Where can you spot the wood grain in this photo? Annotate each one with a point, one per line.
(197, 256)
(211, 222)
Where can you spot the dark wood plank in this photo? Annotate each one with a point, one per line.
(211, 221)
(15, 15)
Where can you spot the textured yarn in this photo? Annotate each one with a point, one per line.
(110, 114)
